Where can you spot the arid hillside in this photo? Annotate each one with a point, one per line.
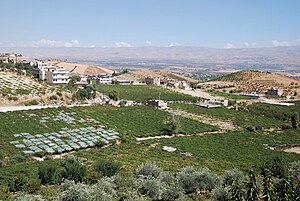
(77, 68)
(258, 81)
(140, 75)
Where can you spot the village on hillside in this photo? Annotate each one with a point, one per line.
(253, 85)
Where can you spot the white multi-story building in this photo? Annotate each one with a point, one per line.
(57, 75)
(43, 69)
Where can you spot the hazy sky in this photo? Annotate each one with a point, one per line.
(118, 23)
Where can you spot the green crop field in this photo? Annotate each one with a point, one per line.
(129, 121)
(239, 118)
(219, 152)
(230, 96)
(142, 93)
(274, 111)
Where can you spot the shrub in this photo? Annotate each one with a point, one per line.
(59, 94)
(53, 97)
(206, 180)
(4, 192)
(104, 190)
(32, 185)
(148, 169)
(92, 177)
(74, 169)
(33, 102)
(78, 192)
(13, 98)
(187, 179)
(107, 168)
(221, 194)
(18, 159)
(100, 143)
(49, 174)
(49, 192)
(148, 186)
(114, 95)
(286, 127)
(231, 176)
(16, 184)
(172, 193)
(26, 197)
(294, 170)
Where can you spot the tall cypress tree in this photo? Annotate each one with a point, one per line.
(295, 120)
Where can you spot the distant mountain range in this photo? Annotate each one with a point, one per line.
(180, 54)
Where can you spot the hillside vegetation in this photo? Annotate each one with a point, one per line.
(258, 81)
(142, 93)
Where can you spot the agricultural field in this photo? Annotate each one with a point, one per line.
(67, 129)
(239, 118)
(142, 93)
(218, 152)
(13, 84)
(274, 111)
(230, 96)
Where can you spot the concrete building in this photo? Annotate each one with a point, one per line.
(43, 69)
(157, 104)
(275, 92)
(104, 80)
(214, 103)
(154, 81)
(57, 76)
(122, 81)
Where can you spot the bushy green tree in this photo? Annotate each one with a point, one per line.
(107, 168)
(149, 186)
(173, 124)
(231, 176)
(148, 169)
(171, 193)
(74, 169)
(105, 189)
(32, 185)
(206, 180)
(49, 174)
(17, 183)
(76, 192)
(187, 179)
(4, 192)
(114, 95)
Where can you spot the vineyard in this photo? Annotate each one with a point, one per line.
(13, 84)
(242, 150)
(274, 111)
(65, 129)
(142, 93)
(239, 118)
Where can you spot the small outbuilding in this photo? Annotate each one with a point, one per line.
(157, 104)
